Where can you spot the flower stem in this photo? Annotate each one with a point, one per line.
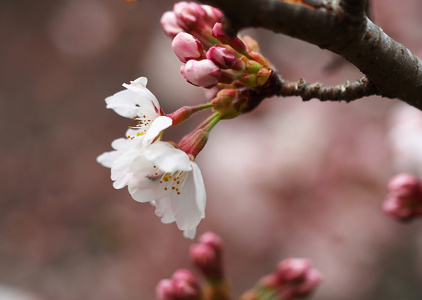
(201, 107)
(210, 122)
(184, 113)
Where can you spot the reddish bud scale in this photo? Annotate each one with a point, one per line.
(251, 44)
(193, 143)
(224, 104)
(180, 115)
(259, 58)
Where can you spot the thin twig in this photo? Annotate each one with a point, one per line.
(347, 91)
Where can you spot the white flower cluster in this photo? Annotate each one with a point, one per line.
(153, 170)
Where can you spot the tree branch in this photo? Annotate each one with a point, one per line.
(353, 9)
(393, 70)
(347, 91)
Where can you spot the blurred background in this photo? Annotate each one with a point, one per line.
(290, 179)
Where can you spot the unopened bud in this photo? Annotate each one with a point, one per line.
(251, 43)
(224, 58)
(234, 42)
(165, 290)
(404, 185)
(224, 103)
(396, 207)
(169, 24)
(213, 14)
(293, 269)
(188, 14)
(404, 199)
(258, 79)
(312, 280)
(297, 278)
(213, 240)
(182, 286)
(193, 143)
(201, 73)
(187, 47)
(207, 256)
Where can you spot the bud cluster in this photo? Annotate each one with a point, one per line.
(207, 255)
(210, 57)
(404, 199)
(294, 278)
(182, 286)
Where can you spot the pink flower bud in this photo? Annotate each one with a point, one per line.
(188, 14)
(395, 207)
(186, 276)
(270, 281)
(293, 269)
(297, 278)
(234, 42)
(186, 285)
(403, 185)
(207, 255)
(223, 57)
(213, 240)
(404, 199)
(187, 47)
(207, 260)
(165, 290)
(312, 280)
(182, 285)
(169, 24)
(201, 73)
(213, 14)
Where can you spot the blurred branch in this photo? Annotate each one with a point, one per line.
(341, 27)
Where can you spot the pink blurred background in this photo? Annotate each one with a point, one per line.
(291, 179)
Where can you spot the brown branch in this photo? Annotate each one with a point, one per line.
(353, 9)
(347, 91)
(394, 71)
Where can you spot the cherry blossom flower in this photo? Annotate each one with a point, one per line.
(165, 176)
(138, 103)
(154, 171)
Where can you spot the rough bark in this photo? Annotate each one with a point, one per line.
(341, 27)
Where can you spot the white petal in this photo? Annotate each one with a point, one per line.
(122, 180)
(186, 210)
(108, 158)
(121, 170)
(122, 144)
(190, 234)
(144, 188)
(139, 86)
(167, 158)
(164, 210)
(158, 125)
(201, 194)
(129, 104)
